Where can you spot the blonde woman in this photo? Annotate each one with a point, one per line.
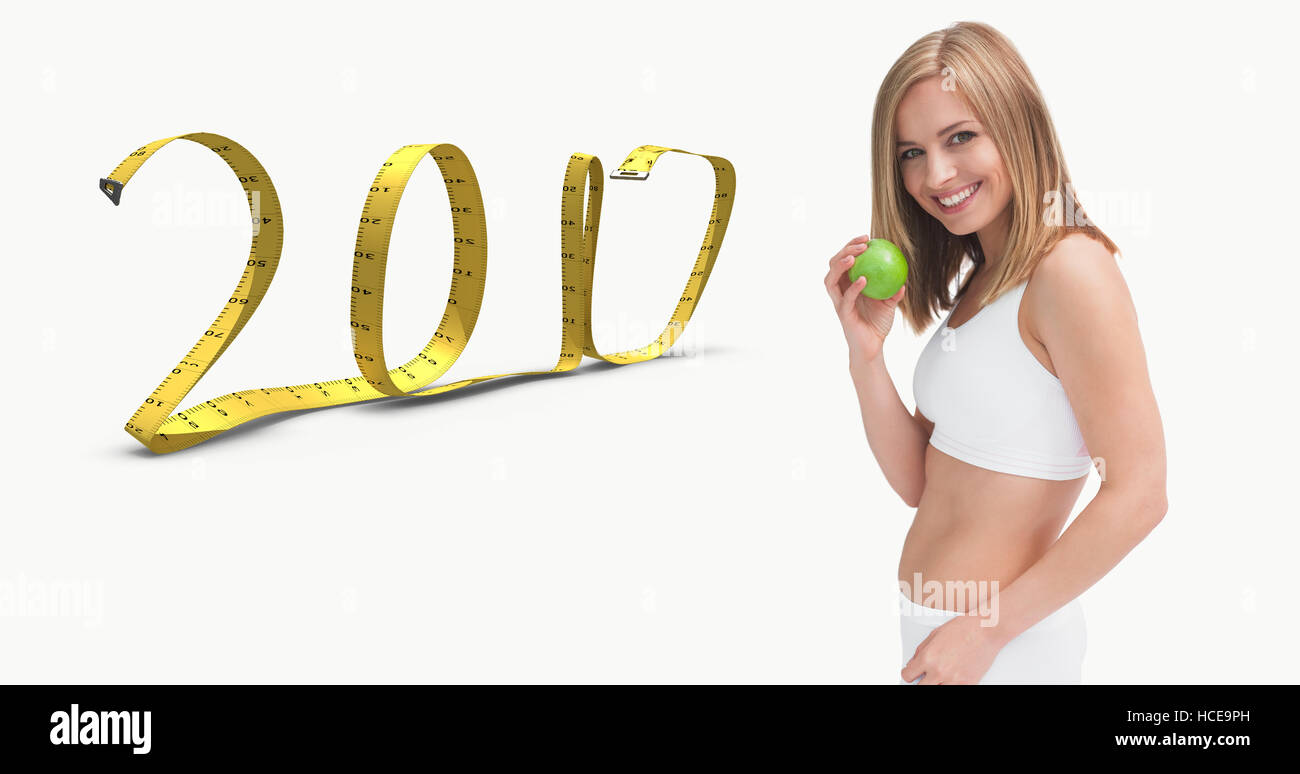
(1036, 376)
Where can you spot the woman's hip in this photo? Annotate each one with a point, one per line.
(1050, 651)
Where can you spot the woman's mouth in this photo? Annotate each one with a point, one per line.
(958, 201)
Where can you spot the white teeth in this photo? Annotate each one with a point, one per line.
(958, 198)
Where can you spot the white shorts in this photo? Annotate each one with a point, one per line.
(1049, 652)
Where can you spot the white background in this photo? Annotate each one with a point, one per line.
(711, 516)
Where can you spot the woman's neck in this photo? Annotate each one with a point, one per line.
(993, 238)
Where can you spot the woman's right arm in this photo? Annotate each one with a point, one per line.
(897, 438)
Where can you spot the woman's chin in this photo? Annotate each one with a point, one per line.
(961, 230)
(962, 223)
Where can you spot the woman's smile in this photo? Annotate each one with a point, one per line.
(955, 201)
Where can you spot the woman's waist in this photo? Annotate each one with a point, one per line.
(961, 569)
(970, 561)
(976, 538)
(1005, 522)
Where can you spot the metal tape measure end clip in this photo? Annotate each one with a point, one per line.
(626, 174)
(112, 189)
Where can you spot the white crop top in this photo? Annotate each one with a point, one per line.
(992, 403)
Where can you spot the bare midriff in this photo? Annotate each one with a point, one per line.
(975, 527)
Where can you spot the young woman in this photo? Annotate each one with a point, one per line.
(1036, 376)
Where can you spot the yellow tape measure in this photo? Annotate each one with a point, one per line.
(154, 425)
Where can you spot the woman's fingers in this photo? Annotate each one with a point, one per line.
(842, 273)
(855, 246)
(850, 296)
(919, 667)
(854, 242)
(911, 670)
(832, 285)
(840, 264)
(837, 283)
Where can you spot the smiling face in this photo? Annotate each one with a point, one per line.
(948, 162)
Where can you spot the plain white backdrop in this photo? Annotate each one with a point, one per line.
(711, 516)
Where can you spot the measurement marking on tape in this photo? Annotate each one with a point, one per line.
(161, 431)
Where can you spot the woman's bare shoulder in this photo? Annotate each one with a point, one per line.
(1072, 281)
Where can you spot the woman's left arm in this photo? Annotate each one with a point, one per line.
(1083, 313)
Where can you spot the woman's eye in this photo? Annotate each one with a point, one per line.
(904, 156)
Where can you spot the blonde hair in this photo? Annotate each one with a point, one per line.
(986, 72)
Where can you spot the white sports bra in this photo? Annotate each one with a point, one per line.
(992, 403)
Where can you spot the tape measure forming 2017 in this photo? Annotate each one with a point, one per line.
(161, 431)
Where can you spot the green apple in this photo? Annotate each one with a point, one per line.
(884, 266)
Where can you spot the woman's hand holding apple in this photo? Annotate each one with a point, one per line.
(866, 321)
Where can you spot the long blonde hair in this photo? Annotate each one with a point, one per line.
(984, 69)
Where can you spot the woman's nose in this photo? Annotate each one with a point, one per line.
(939, 171)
